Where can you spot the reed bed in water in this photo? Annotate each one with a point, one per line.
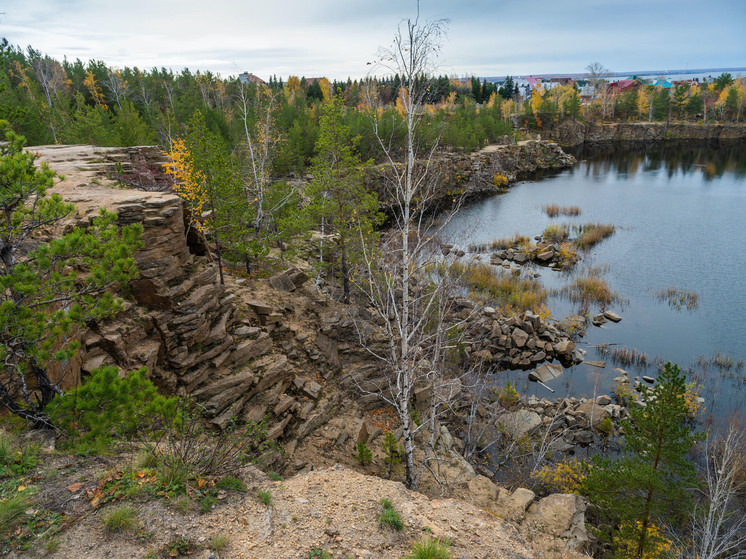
(625, 356)
(554, 210)
(593, 233)
(679, 298)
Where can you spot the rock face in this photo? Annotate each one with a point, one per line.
(573, 134)
(561, 516)
(195, 336)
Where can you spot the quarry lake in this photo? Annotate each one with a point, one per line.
(680, 218)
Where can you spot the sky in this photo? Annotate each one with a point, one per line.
(338, 38)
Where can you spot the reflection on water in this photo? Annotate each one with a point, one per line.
(680, 218)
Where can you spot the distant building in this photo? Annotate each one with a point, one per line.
(248, 77)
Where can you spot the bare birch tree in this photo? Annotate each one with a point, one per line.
(719, 525)
(411, 307)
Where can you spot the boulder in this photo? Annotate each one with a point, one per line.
(614, 317)
(519, 423)
(564, 347)
(519, 337)
(562, 516)
(594, 412)
(546, 372)
(282, 282)
(597, 364)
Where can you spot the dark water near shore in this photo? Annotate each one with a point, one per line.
(680, 217)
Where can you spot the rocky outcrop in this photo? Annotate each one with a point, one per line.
(571, 134)
(484, 172)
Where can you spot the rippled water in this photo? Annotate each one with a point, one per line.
(680, 218)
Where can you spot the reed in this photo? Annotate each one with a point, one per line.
(554, 210)
(556, 233)
(592, 233)
(679, 298)
(590, 288)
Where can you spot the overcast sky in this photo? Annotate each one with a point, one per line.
(336, 38)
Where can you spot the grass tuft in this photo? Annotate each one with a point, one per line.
(219, 542)
(265, 497)
(231, 483)
(430, 548)
(120, 519)
(556, 233)
(11, 509)
(508, 290)
(590, 288)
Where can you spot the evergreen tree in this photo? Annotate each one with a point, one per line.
(46, 291)
(649, 482)
(338, 194)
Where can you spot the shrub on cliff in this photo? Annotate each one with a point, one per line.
(107, 407)
(49, 289)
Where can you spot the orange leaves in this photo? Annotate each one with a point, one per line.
(189, 184)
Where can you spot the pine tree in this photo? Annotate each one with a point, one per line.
(338, 194)
(46, 289)
(649, 482)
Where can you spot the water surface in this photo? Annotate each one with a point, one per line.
(680, 218)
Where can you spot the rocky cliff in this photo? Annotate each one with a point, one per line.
(571, 134)
(277, 349)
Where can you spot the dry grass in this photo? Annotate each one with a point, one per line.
(567, 253)
(590, 288)
(592, 233)
(679, 298)
(507, 290)
(554, 210)
(556, 233)
(517, 240)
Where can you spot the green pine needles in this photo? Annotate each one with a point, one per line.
(650, 482)
(47, 289)
(107, 407)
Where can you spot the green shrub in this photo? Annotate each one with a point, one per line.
(120, 519)
(389, 517)
(319, 553)
(430, 548)
(211, 454)
(232, 484)
(364, 454)
(393, 452)
(106, 408)
(274, 476)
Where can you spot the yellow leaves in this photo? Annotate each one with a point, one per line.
(563, 477)
(90, 84)
(326, 90)
(189, 184)
(402, 101)
(657, 545)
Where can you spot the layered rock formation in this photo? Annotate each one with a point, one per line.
(573, 134)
